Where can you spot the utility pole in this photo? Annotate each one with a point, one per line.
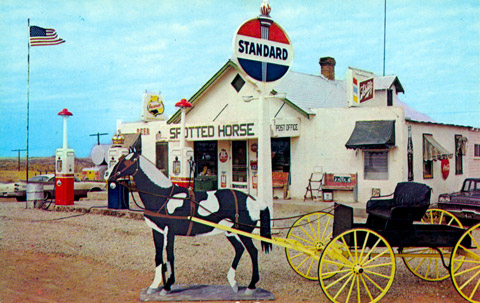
(19, 150)
(98, 136)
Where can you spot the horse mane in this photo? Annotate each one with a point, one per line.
(153, 173)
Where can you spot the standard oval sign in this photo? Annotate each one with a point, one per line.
(263, 49)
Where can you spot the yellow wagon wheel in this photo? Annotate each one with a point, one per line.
(357, 266)
(466, 261)
(428, 264)
(312, 231)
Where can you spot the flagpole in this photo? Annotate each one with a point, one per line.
(28, 90)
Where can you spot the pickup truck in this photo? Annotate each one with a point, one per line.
(18, 189)
(465, 204)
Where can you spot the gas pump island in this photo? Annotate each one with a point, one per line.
(64, 167)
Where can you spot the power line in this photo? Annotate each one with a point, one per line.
(98, 136)
(18, 150)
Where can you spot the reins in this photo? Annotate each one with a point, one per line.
(328, 210)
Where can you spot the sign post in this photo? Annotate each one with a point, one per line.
(264, 52)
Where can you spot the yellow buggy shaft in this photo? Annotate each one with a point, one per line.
(287, 243)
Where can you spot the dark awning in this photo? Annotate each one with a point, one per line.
(372, 135)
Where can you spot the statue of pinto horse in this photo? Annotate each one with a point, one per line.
(167, 208)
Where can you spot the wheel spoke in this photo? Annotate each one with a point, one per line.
(311, 228)
(348, 250)
(474, 289)
(366, 288)
(325, 229)
(354, 278)
(459, 273)
(303, 239)
(343, 286)
(339, 279)
(370, 252)
(469, 280)
(377, 274)
(373, 282)
(378, 265)
(386, 251)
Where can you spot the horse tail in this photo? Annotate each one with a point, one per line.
(265, 229)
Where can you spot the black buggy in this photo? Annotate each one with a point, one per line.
(358, 264)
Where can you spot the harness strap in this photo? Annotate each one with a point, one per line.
(236, 208)
(191, 193)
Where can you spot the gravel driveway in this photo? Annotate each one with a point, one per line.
(104, 247)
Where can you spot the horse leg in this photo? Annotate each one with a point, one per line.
(253, 252)
(170, 262)
(158, 239)
(239, 249)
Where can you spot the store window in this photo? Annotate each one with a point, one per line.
(281, 154)
(375, 165)
(476, 150)
(161, 153)
(205, 158)
(428, 169)
(239, 157)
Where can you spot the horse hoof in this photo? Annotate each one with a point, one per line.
(164, 292)
(235, 287)
(151, 290)
(249, 292)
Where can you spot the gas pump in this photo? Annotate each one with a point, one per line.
(117, 193)
(182, 167)
(64, 168)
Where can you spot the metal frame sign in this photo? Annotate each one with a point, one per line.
(262, 49)
(360, 86)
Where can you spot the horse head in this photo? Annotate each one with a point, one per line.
(127, 165)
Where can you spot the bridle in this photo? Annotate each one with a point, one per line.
(128, 164)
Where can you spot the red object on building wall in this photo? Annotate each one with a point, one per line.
(445, 167)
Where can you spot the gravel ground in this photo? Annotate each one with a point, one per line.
(121, 245)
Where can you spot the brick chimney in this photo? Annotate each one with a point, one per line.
(327, 65)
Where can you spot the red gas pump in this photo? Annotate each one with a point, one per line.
(64, 168)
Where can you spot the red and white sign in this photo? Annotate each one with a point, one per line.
(445, 167)
(223, 155)
(366, 90)
(262, 49)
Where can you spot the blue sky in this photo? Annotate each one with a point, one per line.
(115, 50)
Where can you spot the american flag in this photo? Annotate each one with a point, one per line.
(40, 36)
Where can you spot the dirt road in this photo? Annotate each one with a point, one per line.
(96, 258)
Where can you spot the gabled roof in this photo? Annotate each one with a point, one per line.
(311, 91)
(175, 118)
(305, 92)
(386, 82)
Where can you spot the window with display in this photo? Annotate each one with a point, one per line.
(239, 157)
(281, 154)
(205, 158)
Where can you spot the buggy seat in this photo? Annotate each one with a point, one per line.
(409, 203)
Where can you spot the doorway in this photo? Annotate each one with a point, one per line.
(239, 165)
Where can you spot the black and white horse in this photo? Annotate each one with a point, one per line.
(168, 206)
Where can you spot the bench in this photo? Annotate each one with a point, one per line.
(343, 182)
(280, 180)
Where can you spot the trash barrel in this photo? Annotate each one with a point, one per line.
(117, 196)
(35, 193)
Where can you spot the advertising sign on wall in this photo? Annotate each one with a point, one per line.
(153, 107)
(360, 86)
